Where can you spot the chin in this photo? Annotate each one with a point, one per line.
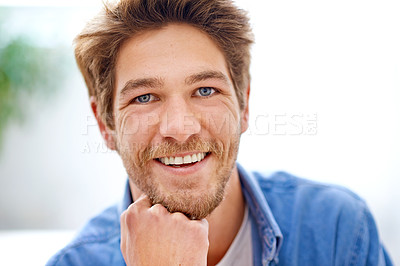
(195, 207)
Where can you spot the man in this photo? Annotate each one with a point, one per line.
(169, 86)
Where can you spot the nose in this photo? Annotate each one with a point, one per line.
(179, 121)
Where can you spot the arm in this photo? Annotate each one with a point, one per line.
(366, 248)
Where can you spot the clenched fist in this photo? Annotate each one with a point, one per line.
(150, 235)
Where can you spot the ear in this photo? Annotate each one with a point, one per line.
(105, 131)
(244, 121)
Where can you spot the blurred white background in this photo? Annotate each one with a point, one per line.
(324, 106)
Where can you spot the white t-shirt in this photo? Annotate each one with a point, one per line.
(240, 253)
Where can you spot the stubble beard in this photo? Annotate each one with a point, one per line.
(185, 199)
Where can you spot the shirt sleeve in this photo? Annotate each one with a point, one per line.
(365, 247)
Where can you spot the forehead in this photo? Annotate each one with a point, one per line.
(172, 52)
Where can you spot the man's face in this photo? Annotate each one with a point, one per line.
(177, 118)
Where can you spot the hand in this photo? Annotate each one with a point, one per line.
(150, 235)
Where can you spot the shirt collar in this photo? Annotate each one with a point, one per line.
(268, 229)
(126, 200)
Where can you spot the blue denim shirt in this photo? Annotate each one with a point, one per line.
(294, 222)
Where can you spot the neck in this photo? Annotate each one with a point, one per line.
(225, 220)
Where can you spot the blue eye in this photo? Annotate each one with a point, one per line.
(206, 91)
(144, 98)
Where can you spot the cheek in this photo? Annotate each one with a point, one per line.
(136, 128)
(128, 125)
(222, 121)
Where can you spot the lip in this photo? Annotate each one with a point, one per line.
(182, 171)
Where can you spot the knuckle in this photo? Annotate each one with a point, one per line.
(198, 228)
(129, 219)
(129, 215)
(179, 217)
(131, 208)
(158, 209)
(122, 218)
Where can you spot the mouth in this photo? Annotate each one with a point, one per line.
(183, 161)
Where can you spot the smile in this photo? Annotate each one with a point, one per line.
(183, 161)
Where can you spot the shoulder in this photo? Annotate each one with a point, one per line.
(327, 219)
(287, 187)
(307, 202)
(96, 244)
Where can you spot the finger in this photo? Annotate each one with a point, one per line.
(143, 201)
(137, 207)
(204, 222)
(159, 209)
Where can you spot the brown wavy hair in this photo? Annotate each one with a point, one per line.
(97, 46)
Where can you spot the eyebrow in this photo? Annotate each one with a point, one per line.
(204, 75)
(140, 83)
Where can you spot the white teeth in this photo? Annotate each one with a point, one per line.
(183, 160)
(178, 160)
(187, 159)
